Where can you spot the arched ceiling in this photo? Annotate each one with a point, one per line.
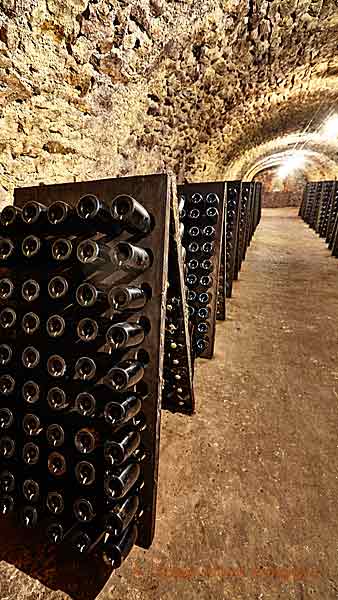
(96, 88)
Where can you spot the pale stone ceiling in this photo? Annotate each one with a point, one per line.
(116, 87)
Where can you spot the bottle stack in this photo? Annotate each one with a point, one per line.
(319, 209)
(83, 294)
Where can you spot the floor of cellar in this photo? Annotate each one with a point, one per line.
(248, 487)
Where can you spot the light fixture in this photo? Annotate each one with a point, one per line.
(330, 128)
(292, 163)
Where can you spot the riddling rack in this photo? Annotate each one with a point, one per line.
(203, 229)
(84, 270)
(319, 209)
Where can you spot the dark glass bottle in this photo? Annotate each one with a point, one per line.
(88, 296)
(7, 318)
(7, 250)
(86, 440)
(127, 298)
(7, 447)
(6, 289)
(120, 413)
(30, 357)
(58, 287)
(31, 490)
(115, 552)
(84, 510)
(121, 448)
(126, 374)
(6, 505)
(10, 218)
(31, 246)
(29, 516)
(56, 366)
(118, 484)
(196, 198)
(85, 473)
(125, 335)
(59, 214)
(55, 435)
(31, 425)
(30, 454)
(131, 258)
(212, 199)
(62, 249)
(7, 482)
(212, 214)
(57, 465)
(55, 502)
(194, 231)
(57, 399)
(7, 384)
(30, 290)
(6, 418)
(130, 214)
(209, 231)
(117, 520)
(6, 354)
(30, 323)
(30, 392)
(33, 213)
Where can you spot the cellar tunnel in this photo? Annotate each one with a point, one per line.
(211, 90)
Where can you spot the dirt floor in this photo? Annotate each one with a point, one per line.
(248, 490)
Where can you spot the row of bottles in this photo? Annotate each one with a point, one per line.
(319, 209)
(78, 368)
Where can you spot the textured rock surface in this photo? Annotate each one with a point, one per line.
(113, 87)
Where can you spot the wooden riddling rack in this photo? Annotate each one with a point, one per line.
(319, 209)
(154, 193)
(203, 242)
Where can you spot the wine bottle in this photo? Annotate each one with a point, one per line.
(7, 249)
(58, 287)
(208, 248)
(7, 318)
(117, 520)
(30, 392)
(55, 502)
(30, 357)
(30, 323)
(31, 246)
(87, 296)
(34, 213)
(6, 418)
(202, 327)
(7, 384)
(30, 290)
(207, 265)
(85, 404)
(6, 354)
(130, 214)
(209, 231)
(83, 542)
(203, 312)
(91, 209)
(55, 533)
(87, 369)
(201, 345)
(10, 218)
(191, 279)
(203, 298)
(194, 231)
(6, 505)
(120, 449)
(86, 440)
(118, 484)
(125, 335)
(127, 298)
(7, 482)
(31, 490)
(56, 326)
(126, 374)
(62, 249)
(84, 510)
(31, 425)
(193, 247)
(55, 435)
(206, 281)
(115, 552)
(6, 288)
(29, 516)
(30, 454)
(85, 473)
(7, 447)
(89, 330)
(193, 264)
(194, 213)
(59, 214)
(57, 399)
(56, 366)
(212, 214)
(57, 465)
(90, 252)
(120, 413)
(131, 258)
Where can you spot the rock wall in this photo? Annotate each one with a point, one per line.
(98, 88)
